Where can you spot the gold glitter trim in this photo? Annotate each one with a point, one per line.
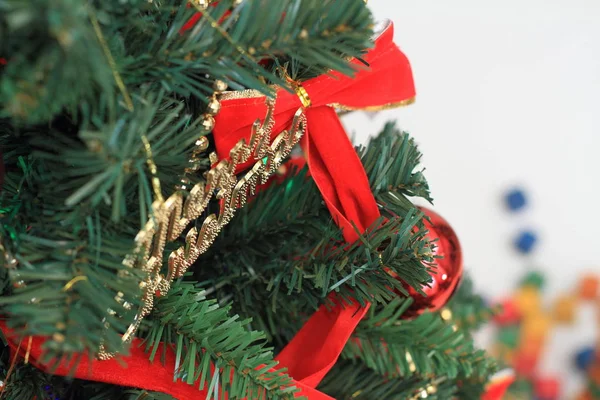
(242, 94)
(388, 106)
(111, 62)
(153, 170)
(73, 281)
(302, 94)
(251, 94)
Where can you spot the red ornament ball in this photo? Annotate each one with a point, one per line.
(449, 269)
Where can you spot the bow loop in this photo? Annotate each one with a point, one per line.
(383, 80)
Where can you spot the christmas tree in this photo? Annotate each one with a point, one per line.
(163, 235)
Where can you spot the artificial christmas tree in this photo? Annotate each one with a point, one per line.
(157, 242)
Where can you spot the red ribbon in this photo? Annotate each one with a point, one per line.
(332, 160)
(339, 175)
(136, 370)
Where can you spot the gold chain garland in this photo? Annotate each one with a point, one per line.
(172, 216)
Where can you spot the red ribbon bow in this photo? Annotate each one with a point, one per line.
(332, 160)
(340, 176)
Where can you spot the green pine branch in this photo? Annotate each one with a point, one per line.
(68, 287)
(396, 347)
(67, 207)
(48, 53)
(470, 310)
(392, 159)
(350, 380)
(285, 243)
(54, 59)
(205, 333)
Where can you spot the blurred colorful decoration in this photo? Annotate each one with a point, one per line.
(547, 388)
(588, 287)
(508, 313)
(534, 278)
(516, 200)
(584, 358)
(528, 300)
(525, 241)
(564, 309)
(449, 269)
(524, 325)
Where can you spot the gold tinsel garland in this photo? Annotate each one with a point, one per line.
(173, 215)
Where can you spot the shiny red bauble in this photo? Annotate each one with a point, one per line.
(449, 269)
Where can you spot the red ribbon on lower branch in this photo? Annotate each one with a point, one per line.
(136, 369)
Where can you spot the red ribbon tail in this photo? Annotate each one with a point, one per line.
(316, 347)
(343, 183)
(135, 370)
(339, 173)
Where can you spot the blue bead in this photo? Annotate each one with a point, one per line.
(584, 358)
(525, 241)
(516, 200)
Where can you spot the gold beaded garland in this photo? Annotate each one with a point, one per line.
(203, 3)
(208, 122)
(220, 86)
(214, 106)
(446, 314)
(431, 389)
(202, 143)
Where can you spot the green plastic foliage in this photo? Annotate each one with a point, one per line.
(78, 189)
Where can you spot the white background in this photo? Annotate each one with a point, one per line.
(508, 94)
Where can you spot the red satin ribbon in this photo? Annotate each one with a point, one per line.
(340, 176)
(136, 370)
(332, 160)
